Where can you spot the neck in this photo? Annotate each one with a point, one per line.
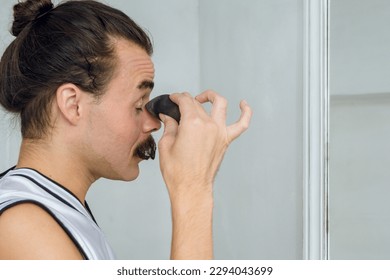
(58, 164)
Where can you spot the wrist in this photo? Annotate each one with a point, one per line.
(191, 199)
(192, 215)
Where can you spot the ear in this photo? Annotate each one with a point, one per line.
(68, 98)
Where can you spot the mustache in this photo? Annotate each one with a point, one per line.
(146, 149)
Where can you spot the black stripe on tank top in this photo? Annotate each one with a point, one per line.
(5, 172)
(67, 231)
(57, 184)
(47, 190)
(90, 212)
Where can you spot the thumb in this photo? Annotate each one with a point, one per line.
(170, 127)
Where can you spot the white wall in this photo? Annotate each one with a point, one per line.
(359, 46)
(244, 49)
(359, 178)
(253, 49)
(9, 129)
(359, 220)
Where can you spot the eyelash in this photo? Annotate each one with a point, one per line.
(140, 106)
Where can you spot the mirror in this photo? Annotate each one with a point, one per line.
(359, 129)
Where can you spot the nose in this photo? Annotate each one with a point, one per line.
(151, 123)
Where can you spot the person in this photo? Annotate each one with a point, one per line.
(79, 75)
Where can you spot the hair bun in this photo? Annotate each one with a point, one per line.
(27, 11)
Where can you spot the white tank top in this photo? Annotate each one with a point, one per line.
(29, 186)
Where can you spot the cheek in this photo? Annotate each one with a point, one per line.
(111, 136)
(122, 137)
(115, 138)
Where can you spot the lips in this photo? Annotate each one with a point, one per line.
(146, 149)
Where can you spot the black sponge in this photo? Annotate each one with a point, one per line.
(163, 104)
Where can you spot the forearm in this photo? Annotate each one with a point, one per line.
(192, 227)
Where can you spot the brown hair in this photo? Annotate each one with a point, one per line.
(71, 43)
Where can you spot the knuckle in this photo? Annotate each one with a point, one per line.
(203, 125)
(244, 126)
(210, 91)
(197, 122)
(223, 101)
(186, 94)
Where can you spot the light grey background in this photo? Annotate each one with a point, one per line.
(249, 50)
(359, 210)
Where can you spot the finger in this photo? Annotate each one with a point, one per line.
(170, 129)
(184, 101)
(188, 106)
(236, 129)
(218, 110)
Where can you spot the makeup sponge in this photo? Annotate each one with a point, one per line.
(163, 104)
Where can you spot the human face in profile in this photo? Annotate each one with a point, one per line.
(119, 127)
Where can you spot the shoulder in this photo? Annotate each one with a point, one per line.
(27, 231)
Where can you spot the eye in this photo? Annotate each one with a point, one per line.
(139, 106)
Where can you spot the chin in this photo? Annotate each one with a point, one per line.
(131, 174)
(128, 173)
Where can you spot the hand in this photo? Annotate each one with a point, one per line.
(190, 153)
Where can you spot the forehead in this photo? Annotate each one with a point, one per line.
(133, 61)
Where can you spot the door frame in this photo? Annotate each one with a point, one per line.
(316, 121)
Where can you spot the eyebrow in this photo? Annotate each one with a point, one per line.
(146, 84)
